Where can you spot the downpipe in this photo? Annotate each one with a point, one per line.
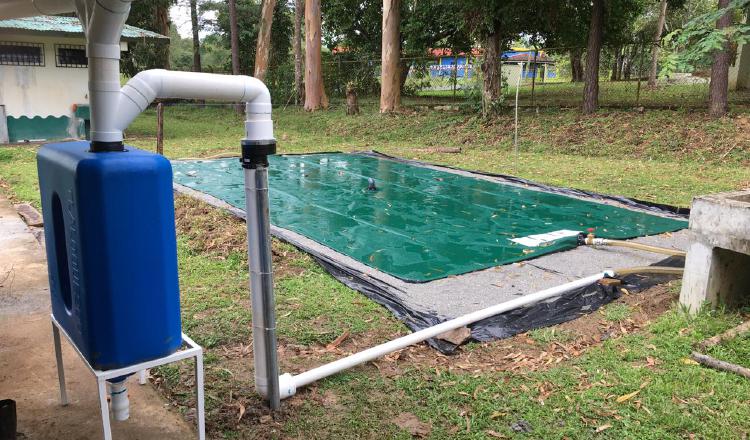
(265, 356)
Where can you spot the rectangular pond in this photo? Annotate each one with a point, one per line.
(420, 223)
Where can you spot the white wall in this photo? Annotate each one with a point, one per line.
(42, 91)
(739, 73)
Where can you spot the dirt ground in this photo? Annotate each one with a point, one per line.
(27, 363)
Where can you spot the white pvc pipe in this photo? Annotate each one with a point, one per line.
(103, 21)
(289, 384)
(148, 85)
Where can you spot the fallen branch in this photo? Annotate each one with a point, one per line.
(338, 341)
(716, 364)
(729, 334)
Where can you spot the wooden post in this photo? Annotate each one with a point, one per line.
(160, 128)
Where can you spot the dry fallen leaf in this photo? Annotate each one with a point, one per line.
(496, 414)
(688, 361)
(242, 412)
(409, 422)
(495, 434)
(457, 336)
(602, 428)
(626, 397)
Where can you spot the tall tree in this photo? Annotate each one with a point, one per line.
(315, 96)
(162, 20)
(234, 37)
(656, 43)
(593, 52)
(263, 46)
(299, 11)
(196, 40)
(719, 87)
(148, 54)
(491, 87)
(390, 88)
(576, 65)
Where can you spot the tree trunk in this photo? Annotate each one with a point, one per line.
(491, 73)
(576, 68)
(593, 51)
(352, 104)
(628, 69)
(390, 82)
(315, 96)
(264, 39)
(196, 41)
(162, 20)
(234, 37)
(299, 11)
(656, 43)
(719, 87)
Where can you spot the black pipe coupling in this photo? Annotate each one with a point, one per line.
(255, 153)
(106, 146)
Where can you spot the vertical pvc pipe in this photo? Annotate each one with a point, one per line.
(261, 284)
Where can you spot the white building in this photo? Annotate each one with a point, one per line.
(44, 77)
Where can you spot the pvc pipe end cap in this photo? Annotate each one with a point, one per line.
(287, 388)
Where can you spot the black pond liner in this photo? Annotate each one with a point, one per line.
(563, 308)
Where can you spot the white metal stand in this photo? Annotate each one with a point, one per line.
(195, 351)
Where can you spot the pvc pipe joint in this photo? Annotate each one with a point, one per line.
(120, 402)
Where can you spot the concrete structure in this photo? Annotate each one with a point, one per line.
(717, 269)
(37, 56)
(739, 71)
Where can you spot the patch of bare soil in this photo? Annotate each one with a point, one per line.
(217, 233)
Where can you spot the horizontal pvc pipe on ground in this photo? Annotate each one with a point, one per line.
(289, 384)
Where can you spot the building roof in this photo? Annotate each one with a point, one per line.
(515, 55)
(527, 57)
(47, 24)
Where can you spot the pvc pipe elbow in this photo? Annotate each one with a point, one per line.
(287, 387)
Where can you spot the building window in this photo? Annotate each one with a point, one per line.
(13, 53)
(68, 55)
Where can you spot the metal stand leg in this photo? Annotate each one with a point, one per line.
(199, 397)
(143, 377)
(102, 377)
(102, 385)
(60, 366)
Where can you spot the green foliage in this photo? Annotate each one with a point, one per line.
(145, 54)
(214, 54)
(693, 45)
(248, 20)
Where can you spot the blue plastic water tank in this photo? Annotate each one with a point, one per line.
(111, 251)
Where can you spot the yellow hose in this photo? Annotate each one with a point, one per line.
(650, 269)
(591, 240)
(646, 247)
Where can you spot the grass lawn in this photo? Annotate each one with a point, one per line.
(621, 372)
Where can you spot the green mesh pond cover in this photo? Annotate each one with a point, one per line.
(420, 224)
